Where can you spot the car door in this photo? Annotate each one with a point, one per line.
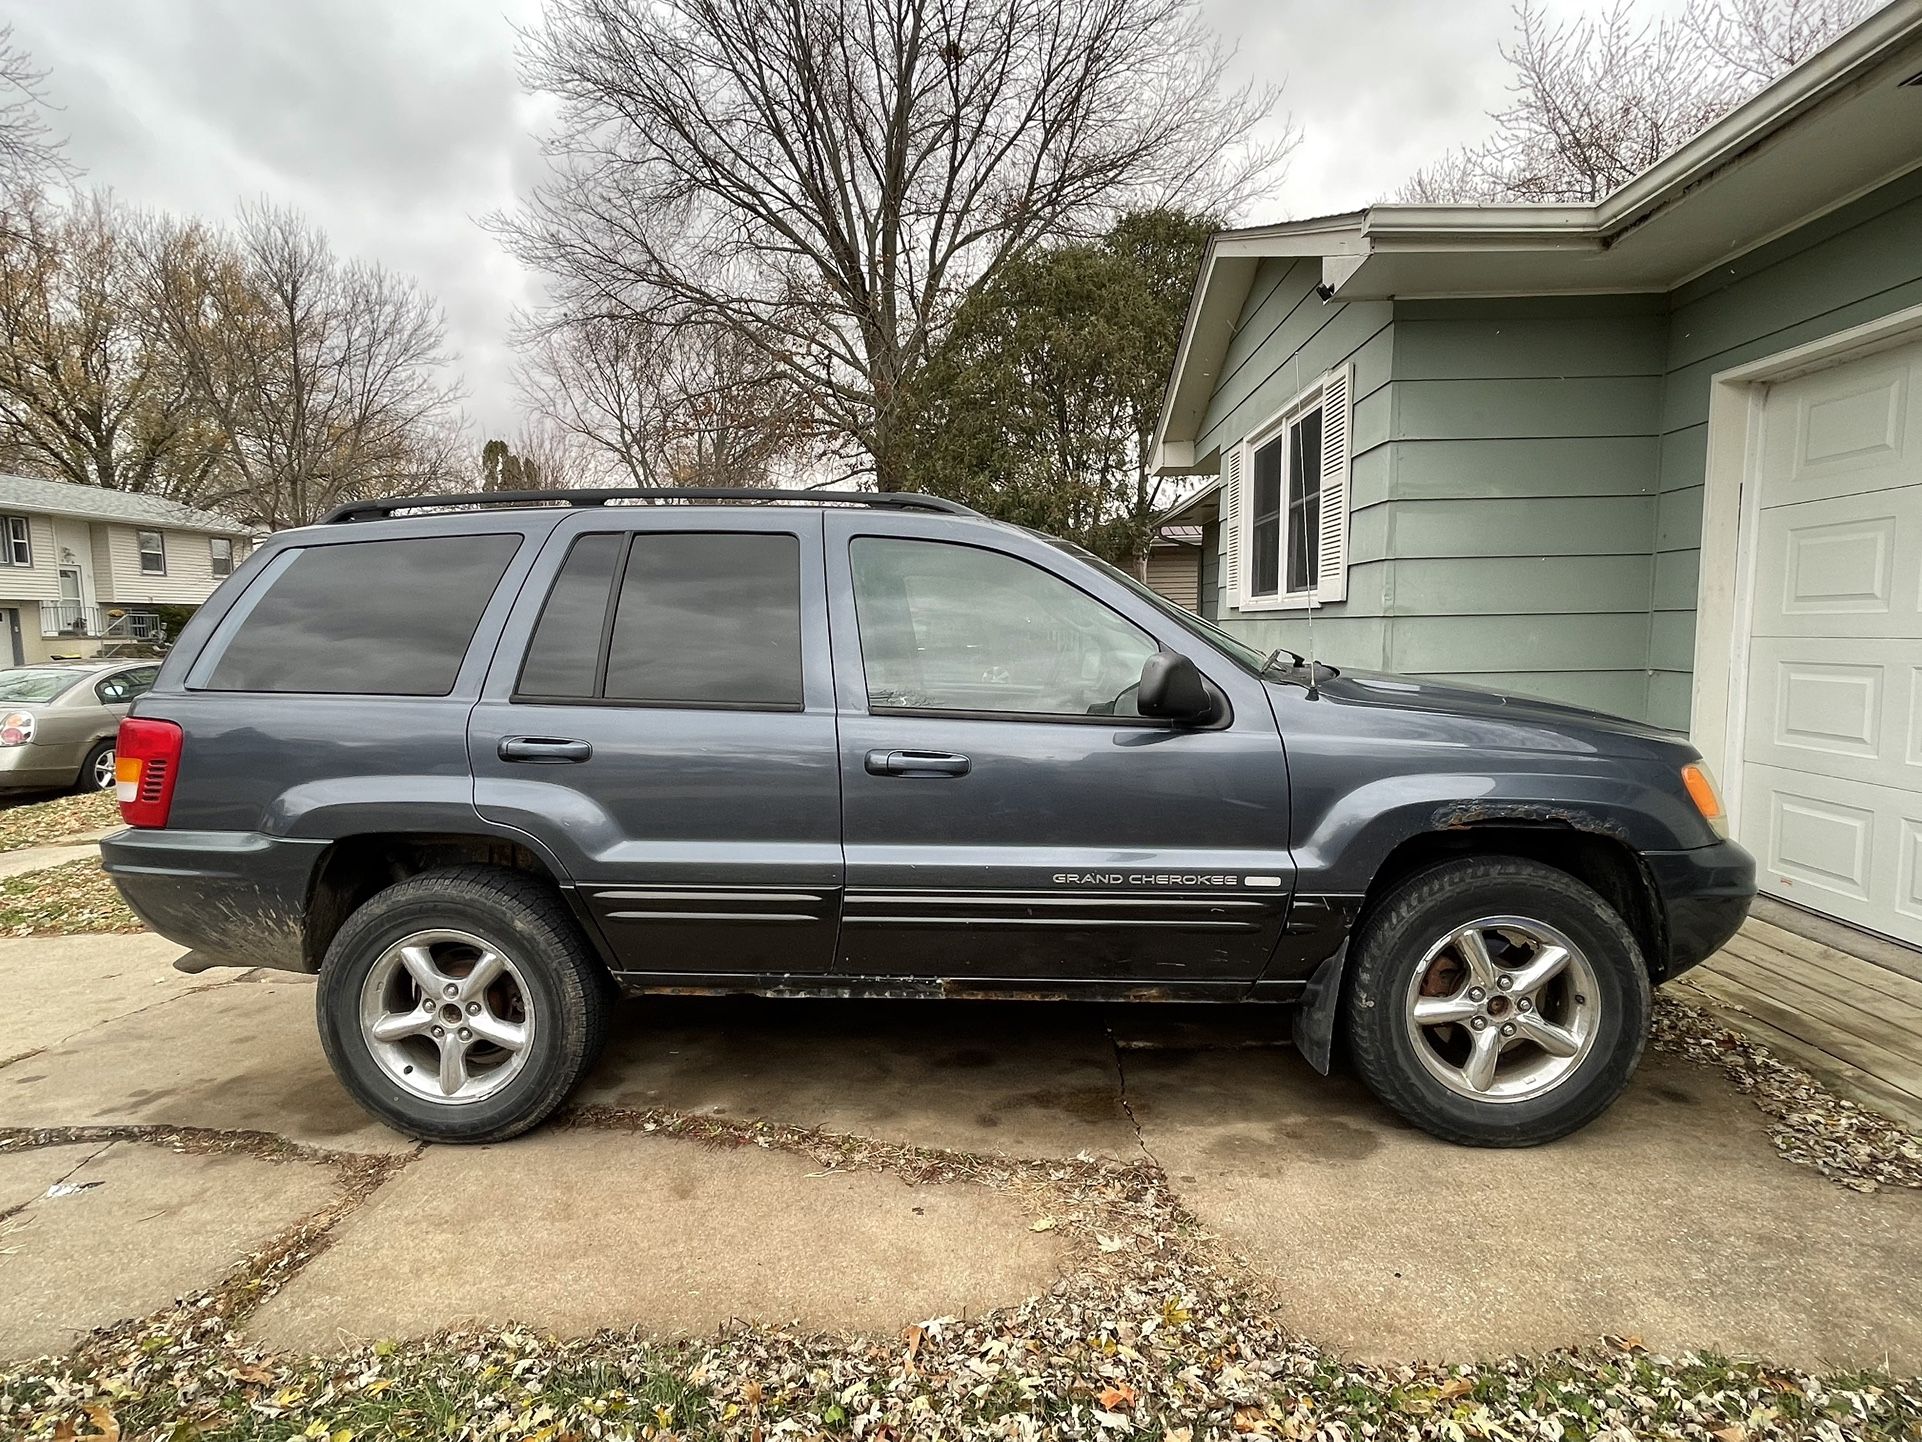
(1006, 814)
(659, 717)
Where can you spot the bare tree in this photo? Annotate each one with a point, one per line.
(322, 375)
(827, 179)
(1599, 100)
(665, 405)
(88, 393)
(30, 154)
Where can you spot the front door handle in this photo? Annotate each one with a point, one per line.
(917, 763)
(543, 748)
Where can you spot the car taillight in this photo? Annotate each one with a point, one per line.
(16, 728)
(145, 765)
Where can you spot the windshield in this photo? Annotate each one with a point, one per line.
(28, 683)
(1244, 656)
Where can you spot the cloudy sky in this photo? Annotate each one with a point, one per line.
(397, 126)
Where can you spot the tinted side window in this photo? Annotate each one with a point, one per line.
(567, 641)
(708, 620)
(956, 628)
(371, 618)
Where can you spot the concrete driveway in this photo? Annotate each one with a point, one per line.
(188, 1127)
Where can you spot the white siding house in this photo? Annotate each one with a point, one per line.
(83, 570)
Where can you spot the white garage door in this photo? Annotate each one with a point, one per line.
(1831, 788)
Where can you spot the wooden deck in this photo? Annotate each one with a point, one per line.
(1852, 1021)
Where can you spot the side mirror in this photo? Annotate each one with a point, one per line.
(1172, 689)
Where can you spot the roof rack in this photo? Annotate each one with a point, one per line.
(489, 500)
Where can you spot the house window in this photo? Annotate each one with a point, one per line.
(1285, 518)
(16, 541)
(153, 553)
(222, 551)
(1287, 493)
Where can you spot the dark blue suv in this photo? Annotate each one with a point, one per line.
(483, 762)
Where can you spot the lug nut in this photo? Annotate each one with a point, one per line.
(1504, 982)
(1475, 993)
(1479, 1023)
(427, 1003)
(1524, 1005)
(466, 1035)
(1508, 1028)
(450, 990)
(440, 1031)
(473, 1008)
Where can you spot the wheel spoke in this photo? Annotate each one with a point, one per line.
(419, 961)
(397, 1025)
(486, 971)
(1437, 1010)
(1484, 1052)
(453, 1064)
(1543, 967)
(1473, 948)
(507, 1035)
(1553, 1039)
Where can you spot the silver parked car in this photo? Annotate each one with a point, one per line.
(58, 721)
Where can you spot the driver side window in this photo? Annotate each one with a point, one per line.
(948, 627)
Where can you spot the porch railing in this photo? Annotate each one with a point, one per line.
(114, 624)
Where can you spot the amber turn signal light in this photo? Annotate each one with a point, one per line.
(1708, 801)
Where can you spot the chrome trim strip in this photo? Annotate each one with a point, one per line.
(709, 916)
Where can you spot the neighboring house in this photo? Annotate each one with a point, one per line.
(1174, 565)
(1660, 455)
(82, 569)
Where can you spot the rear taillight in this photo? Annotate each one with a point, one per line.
(16, 728)
(146, 763)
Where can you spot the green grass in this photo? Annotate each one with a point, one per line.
(63, 900)
(44, 823)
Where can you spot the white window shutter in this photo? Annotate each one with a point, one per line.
(1234, 522)
(1337, 415)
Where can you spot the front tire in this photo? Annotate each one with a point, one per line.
(1497, 1002)
(461, 1005)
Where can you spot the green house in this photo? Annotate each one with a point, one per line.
(1660, 456)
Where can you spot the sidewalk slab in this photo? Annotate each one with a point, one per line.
(21, 860)
(238, 1057)
(1671, 1218)
(574, 1231)
(147, 1226)
(59, 986)
(1034, 1080)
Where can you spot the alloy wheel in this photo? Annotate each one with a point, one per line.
(102, 773)
(1503, 1009)
(448, 1016)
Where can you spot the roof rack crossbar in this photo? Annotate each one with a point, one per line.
(478, 500)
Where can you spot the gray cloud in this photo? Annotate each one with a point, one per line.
(397, 126)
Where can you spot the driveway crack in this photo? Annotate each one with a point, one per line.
(1127, 1106)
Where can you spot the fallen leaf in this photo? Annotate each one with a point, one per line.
(1456, 1387)
(1117, 1394)
(1046, 1224)
(1734, 1433)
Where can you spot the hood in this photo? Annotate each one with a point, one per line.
(1512, 718)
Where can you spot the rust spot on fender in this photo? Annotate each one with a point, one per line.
(1460, 815)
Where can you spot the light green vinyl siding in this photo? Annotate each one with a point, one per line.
(1286, 337)
(1854, 265)
(1527, 473)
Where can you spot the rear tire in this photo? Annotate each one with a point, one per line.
(462, 1005)
(1496, 1002)
(96, 772)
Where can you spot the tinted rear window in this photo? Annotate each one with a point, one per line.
(567, 642)
(372, 618)
(708, 620)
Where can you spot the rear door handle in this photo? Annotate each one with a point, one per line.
(543, 748)
(917, 763)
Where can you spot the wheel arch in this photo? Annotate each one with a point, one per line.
(353, 868)
(1599, 859)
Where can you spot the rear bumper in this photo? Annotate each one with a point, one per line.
(1705, 895)
(236, 898)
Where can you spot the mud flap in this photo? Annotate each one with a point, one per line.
(1314, 1022)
